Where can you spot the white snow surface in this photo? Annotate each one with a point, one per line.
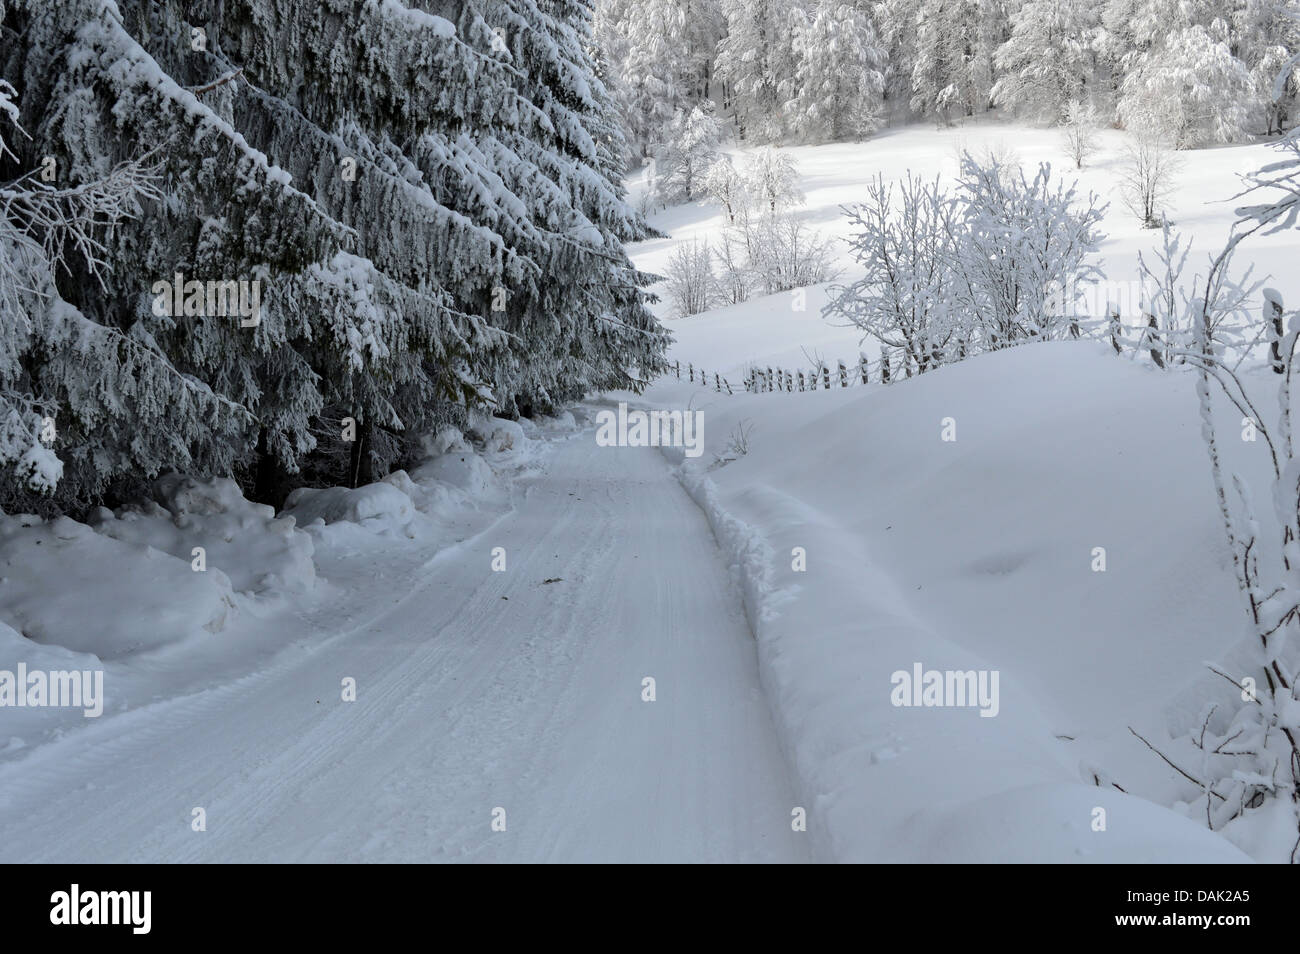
(475, 690)
(522, 690)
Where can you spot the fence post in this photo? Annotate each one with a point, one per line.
(769, 377)
(677, 366)
(789, 382)
(717, 382)
(1153, 330)
(862, 367)
(884, 366)
(844, 373)
(826, 376)
(691, 371)
(728, 384)
(1273, 315)
(1115, 329)
(801, 387)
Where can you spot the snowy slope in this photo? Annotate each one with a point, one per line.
(978, 553)
(768, 330)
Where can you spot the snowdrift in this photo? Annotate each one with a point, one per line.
(978, 554)
(185, 564)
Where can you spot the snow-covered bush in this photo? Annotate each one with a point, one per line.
(983, 269)
(1250, 740)
(906, 248)
(788, 253)
(1020, 239)
(692, 285)
(733, 255)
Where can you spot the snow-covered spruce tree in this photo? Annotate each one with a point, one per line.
(839, 82)
(592, 329)
(953, 73)
(93, 95)
(684, 158)
(1050, 58)
(85, 367)
(758, 64)
(406, 266)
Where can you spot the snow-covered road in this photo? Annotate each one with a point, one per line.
(476, 690)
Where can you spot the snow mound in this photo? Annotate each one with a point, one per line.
(458, 469)
(262, 555)
(62, 584)
(380, 508)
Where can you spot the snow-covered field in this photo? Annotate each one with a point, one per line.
(768, 331)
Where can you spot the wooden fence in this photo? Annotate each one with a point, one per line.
(1143, 339)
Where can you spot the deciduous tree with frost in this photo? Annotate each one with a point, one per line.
(1079, 131)
(1050, 59)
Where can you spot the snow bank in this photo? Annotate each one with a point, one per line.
(62, 584)
(261, 554)
(413, 505)
(976, 554)
(379, 508)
